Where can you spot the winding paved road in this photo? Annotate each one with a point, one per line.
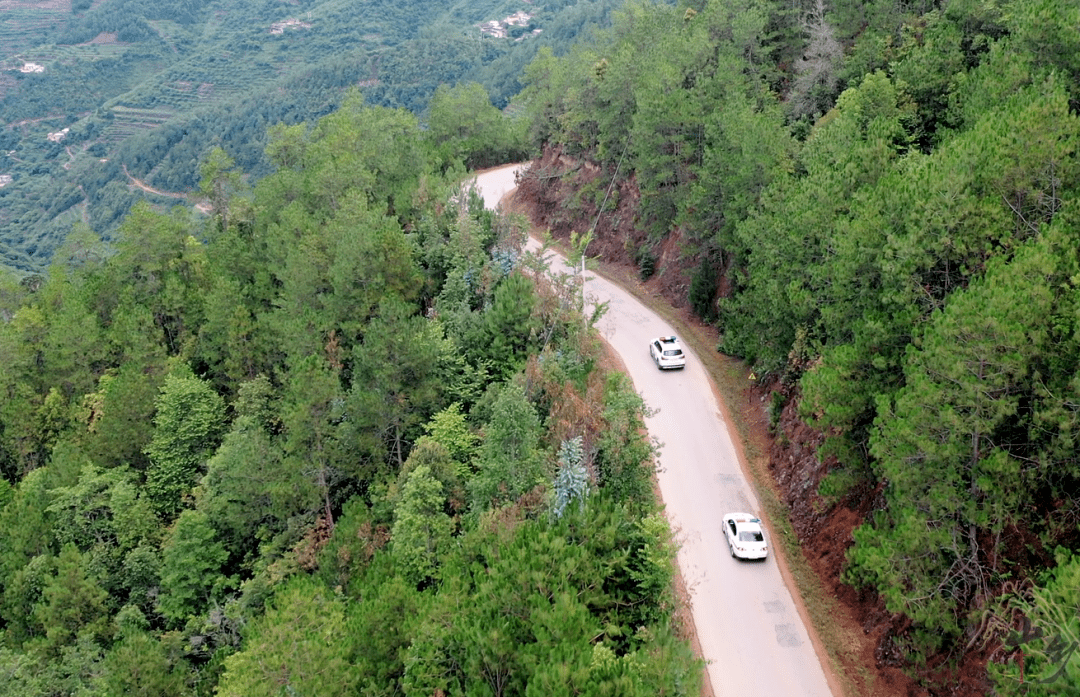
(750, 631)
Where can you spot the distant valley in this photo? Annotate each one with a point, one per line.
(105, 103)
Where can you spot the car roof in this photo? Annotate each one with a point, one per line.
(744, 520)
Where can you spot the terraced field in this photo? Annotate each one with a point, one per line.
(22, 25)
(83, 53)
(128, 121)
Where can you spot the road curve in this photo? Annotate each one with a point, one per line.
(747, 623)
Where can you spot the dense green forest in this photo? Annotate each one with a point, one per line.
(346, 397)
(141, 90)
(889, 191)
(340, 436)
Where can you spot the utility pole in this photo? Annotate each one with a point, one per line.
(578, 245)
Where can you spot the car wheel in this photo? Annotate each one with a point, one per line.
(732, 550)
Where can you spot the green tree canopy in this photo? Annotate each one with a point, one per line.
(303, 642)
(421, 531)
(187, 429)
(191, 568)
(509, 462)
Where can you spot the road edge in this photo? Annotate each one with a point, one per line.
(758, 479)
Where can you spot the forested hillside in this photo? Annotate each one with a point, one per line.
(342, 436)
(876, 204)
(341, 432)
(102, 104)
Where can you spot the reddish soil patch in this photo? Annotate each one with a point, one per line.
(866, 639)
(105, 37)
(553, 191)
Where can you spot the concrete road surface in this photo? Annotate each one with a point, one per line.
(750, 631)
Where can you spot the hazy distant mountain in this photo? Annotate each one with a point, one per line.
(103, 103)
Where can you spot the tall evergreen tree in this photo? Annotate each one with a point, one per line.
(421, 530)
(191, 568)
(396, 383)
(509, 324)
(947, 444)
(187, 429)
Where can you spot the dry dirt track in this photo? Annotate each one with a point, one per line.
(746, 619)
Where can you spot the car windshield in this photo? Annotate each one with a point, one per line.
(747, 536)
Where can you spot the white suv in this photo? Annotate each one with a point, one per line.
(667, 353)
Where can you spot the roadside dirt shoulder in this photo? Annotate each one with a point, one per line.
(847, 627)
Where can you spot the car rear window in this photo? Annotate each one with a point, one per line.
(747, 536)
(673, 352)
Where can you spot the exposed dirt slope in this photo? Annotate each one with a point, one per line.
(864, 639)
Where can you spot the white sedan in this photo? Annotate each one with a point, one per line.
(745, 536)
(667, 353)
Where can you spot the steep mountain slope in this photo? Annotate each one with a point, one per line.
(860, 633)
(875, 204)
